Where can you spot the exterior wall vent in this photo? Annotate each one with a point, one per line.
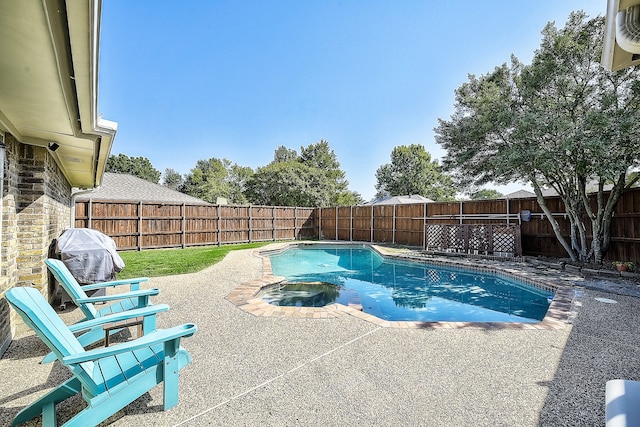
(628, 29)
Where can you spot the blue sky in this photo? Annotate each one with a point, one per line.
(191, 80)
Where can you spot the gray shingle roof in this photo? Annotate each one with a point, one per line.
(520, 194)
(399, 200)
(116, 186)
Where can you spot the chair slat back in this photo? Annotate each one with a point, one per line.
(45, 322)
(71, 285)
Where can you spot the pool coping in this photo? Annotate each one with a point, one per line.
(246, 297)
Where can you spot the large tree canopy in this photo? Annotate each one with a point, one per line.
(289, 184)
(322, 157)
(313, 178)
(136, 166)
(214, 178)
(562, 122)
(412, 171)
(486, 194)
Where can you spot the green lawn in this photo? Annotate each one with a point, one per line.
(166, 262)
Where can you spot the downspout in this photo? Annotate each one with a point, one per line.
(73, 204)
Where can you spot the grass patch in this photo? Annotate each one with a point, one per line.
(167, 262)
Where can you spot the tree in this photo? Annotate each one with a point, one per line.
(237, 178)
(284, 154)
(322, 157)
(486, 194)
(412, 171)
(562, 122)
(289, 184)
(348, 198)
(136, 166)
(214, 178)
(321, 166)
(172, 179)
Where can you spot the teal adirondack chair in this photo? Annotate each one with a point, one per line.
(109, 378)
(119, 303)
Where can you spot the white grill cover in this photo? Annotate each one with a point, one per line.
(90, 256)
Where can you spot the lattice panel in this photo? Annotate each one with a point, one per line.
(478, 238)
(504, 239)
(456, 238)
(490, 239)
(445, 238)
(435, 237)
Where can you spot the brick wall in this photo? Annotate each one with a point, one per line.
(36, 208)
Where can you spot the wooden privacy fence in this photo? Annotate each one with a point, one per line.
(141, 225)
(408, 224)
(147, 225)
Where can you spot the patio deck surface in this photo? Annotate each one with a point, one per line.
(253, 370)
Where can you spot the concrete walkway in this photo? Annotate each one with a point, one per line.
(253, 371)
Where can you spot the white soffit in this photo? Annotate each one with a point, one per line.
(48, 89)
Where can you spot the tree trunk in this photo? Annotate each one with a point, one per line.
(553, 222)
(601, 221)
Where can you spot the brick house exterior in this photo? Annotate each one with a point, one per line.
(36, 208)
(51, 139)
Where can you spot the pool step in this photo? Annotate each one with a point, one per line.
(353, 299)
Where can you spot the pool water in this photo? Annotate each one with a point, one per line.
(399, 290)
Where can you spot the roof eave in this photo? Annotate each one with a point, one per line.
(84, 19)
(49, 86)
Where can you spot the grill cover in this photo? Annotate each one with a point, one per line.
(90, 256)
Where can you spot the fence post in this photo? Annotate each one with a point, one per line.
(90, 212)
(507, 210)
(183, 212)
(372, 223)
(140, 226)
(518, 242)
(424, 226)
(319, 223)
(460, 211)
(393, 226)
(351, 224)
(219, 225)
(295, 223)
(336, 223)
(250, 223)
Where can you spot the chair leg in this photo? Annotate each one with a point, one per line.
(170, 382)
(105, 405)
(171, 368)
(49, 414)
(46, 404)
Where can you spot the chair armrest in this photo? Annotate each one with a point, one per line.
(152, 338)
(151, 310)
(105, 298)
(113, 283)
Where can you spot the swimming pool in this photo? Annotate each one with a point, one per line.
(396, 290)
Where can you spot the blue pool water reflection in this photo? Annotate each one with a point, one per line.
(399, 290)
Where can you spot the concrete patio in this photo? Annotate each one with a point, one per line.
(251, 370)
